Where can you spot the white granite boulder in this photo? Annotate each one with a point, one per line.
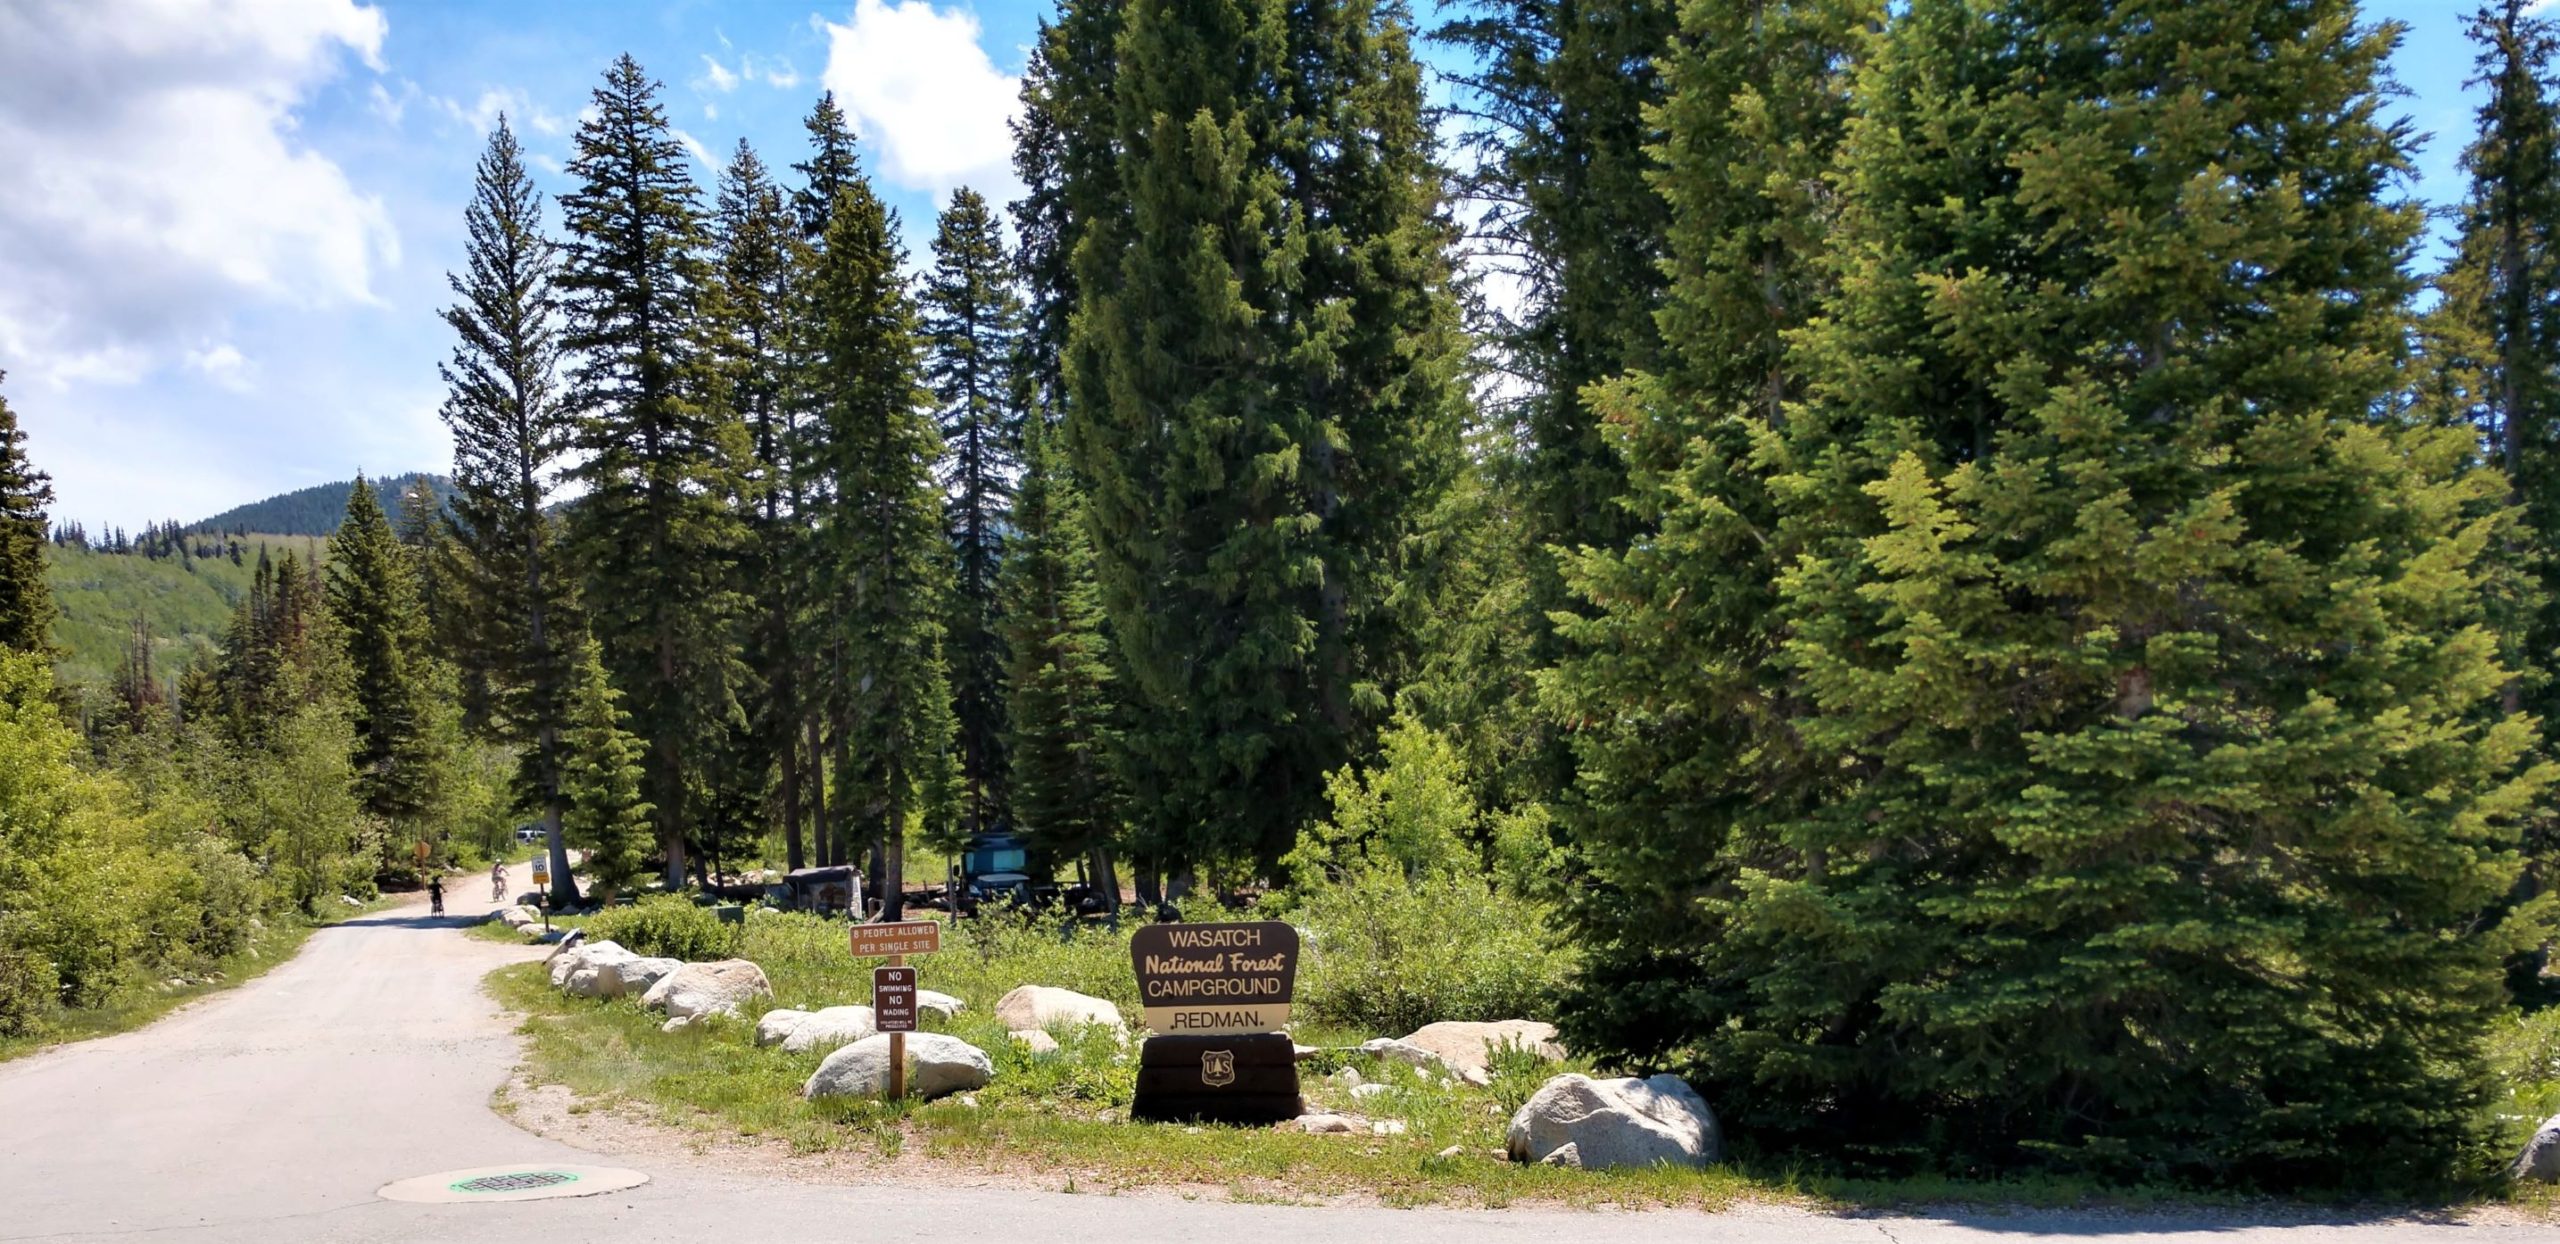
(724, 987)
(830, 1029)
(774, 1026)
(1466, 1047)
(941, 1004)
(1049, 1009)
(937, 1064)
(1389, 1049)
(1614, 1123)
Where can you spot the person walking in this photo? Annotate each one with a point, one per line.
(498, 882)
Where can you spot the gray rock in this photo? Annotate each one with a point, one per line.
(722, 988)
(941, 1004)
(1048, 1008)
(639, 976)
(1036, 1040)
(775, 1026)
(830, 1029)
(2541, 1157)
(593, 971)
(1614, 1123)
(1389, 1049)
(1465, 1047)
(1326, 1124)
(937, 1064)
(1563, 1155)
(1363, 1092)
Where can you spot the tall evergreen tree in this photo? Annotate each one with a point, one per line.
(972, 325)
(26, 600)
(1063, 156)
(2494, 345)
(1557, 96)
(2153, 781)
(834, 164)
(510, 591)
(658, 528)
(1671, 677)
(373, 597)
(1263, 400)
(1062, 736)
(606, 814)
(757, 239)
(884, 561)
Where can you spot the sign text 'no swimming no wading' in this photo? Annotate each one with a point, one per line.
(1215, 979)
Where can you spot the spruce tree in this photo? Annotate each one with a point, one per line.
(605, 813)
(2153, 781)
(1262, 401)
(510, 589)
(757, 240)
(972, 326)
(373, 597)
(1064, 158)
(834, 164)
(26, 600)
(1668, 674)
(658, 529)
(1062, 737)
(2494, 346)
(882, 562)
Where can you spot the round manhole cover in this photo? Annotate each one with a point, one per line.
(528, 1182)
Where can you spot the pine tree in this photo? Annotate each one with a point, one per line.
(1062, 737)
(972, 324)
(1063, 155)
(26, 600)
(882, 560)
(757, 240)
(510, 591)
(1558, 93)
(1669, 676)
(605, 813)
(373, 597)
(2153, 783)
(658, 529)
(834, 164)
(1262, 401)
(2494, 346)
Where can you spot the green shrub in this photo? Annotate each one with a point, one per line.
(667, 925)
(1389, 955)
(27, 991)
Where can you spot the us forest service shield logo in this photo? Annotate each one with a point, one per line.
(1217, 1068)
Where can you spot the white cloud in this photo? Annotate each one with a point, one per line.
(223, 364)
(716, 76)
(519, 110)
(157, 180)
(701, 154)
(920, 87)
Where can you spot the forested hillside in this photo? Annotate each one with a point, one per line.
(182, 603)
(317, 510)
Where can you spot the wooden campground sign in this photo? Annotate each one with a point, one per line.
(1215, 979)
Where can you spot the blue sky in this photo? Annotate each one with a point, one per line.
(226, 226)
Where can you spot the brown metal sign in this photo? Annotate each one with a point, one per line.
(1214, 979)
(906, 937)
(893, 999)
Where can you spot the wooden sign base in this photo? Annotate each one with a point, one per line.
(1251, 1080)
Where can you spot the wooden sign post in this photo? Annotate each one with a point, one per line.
(1215, 997)
(893, 988)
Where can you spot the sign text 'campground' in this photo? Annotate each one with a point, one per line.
(1214, 979)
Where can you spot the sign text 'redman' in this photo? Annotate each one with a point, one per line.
(1214, 979)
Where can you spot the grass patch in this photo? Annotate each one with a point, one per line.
(141, 1003)
(1060, 1119)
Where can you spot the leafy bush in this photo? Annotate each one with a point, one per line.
(27, 991)
(666, 925)
(1390, 955)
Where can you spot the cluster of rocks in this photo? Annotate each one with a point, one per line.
(519, 917)
(688, 994)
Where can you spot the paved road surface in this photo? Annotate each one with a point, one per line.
(272, 1112)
